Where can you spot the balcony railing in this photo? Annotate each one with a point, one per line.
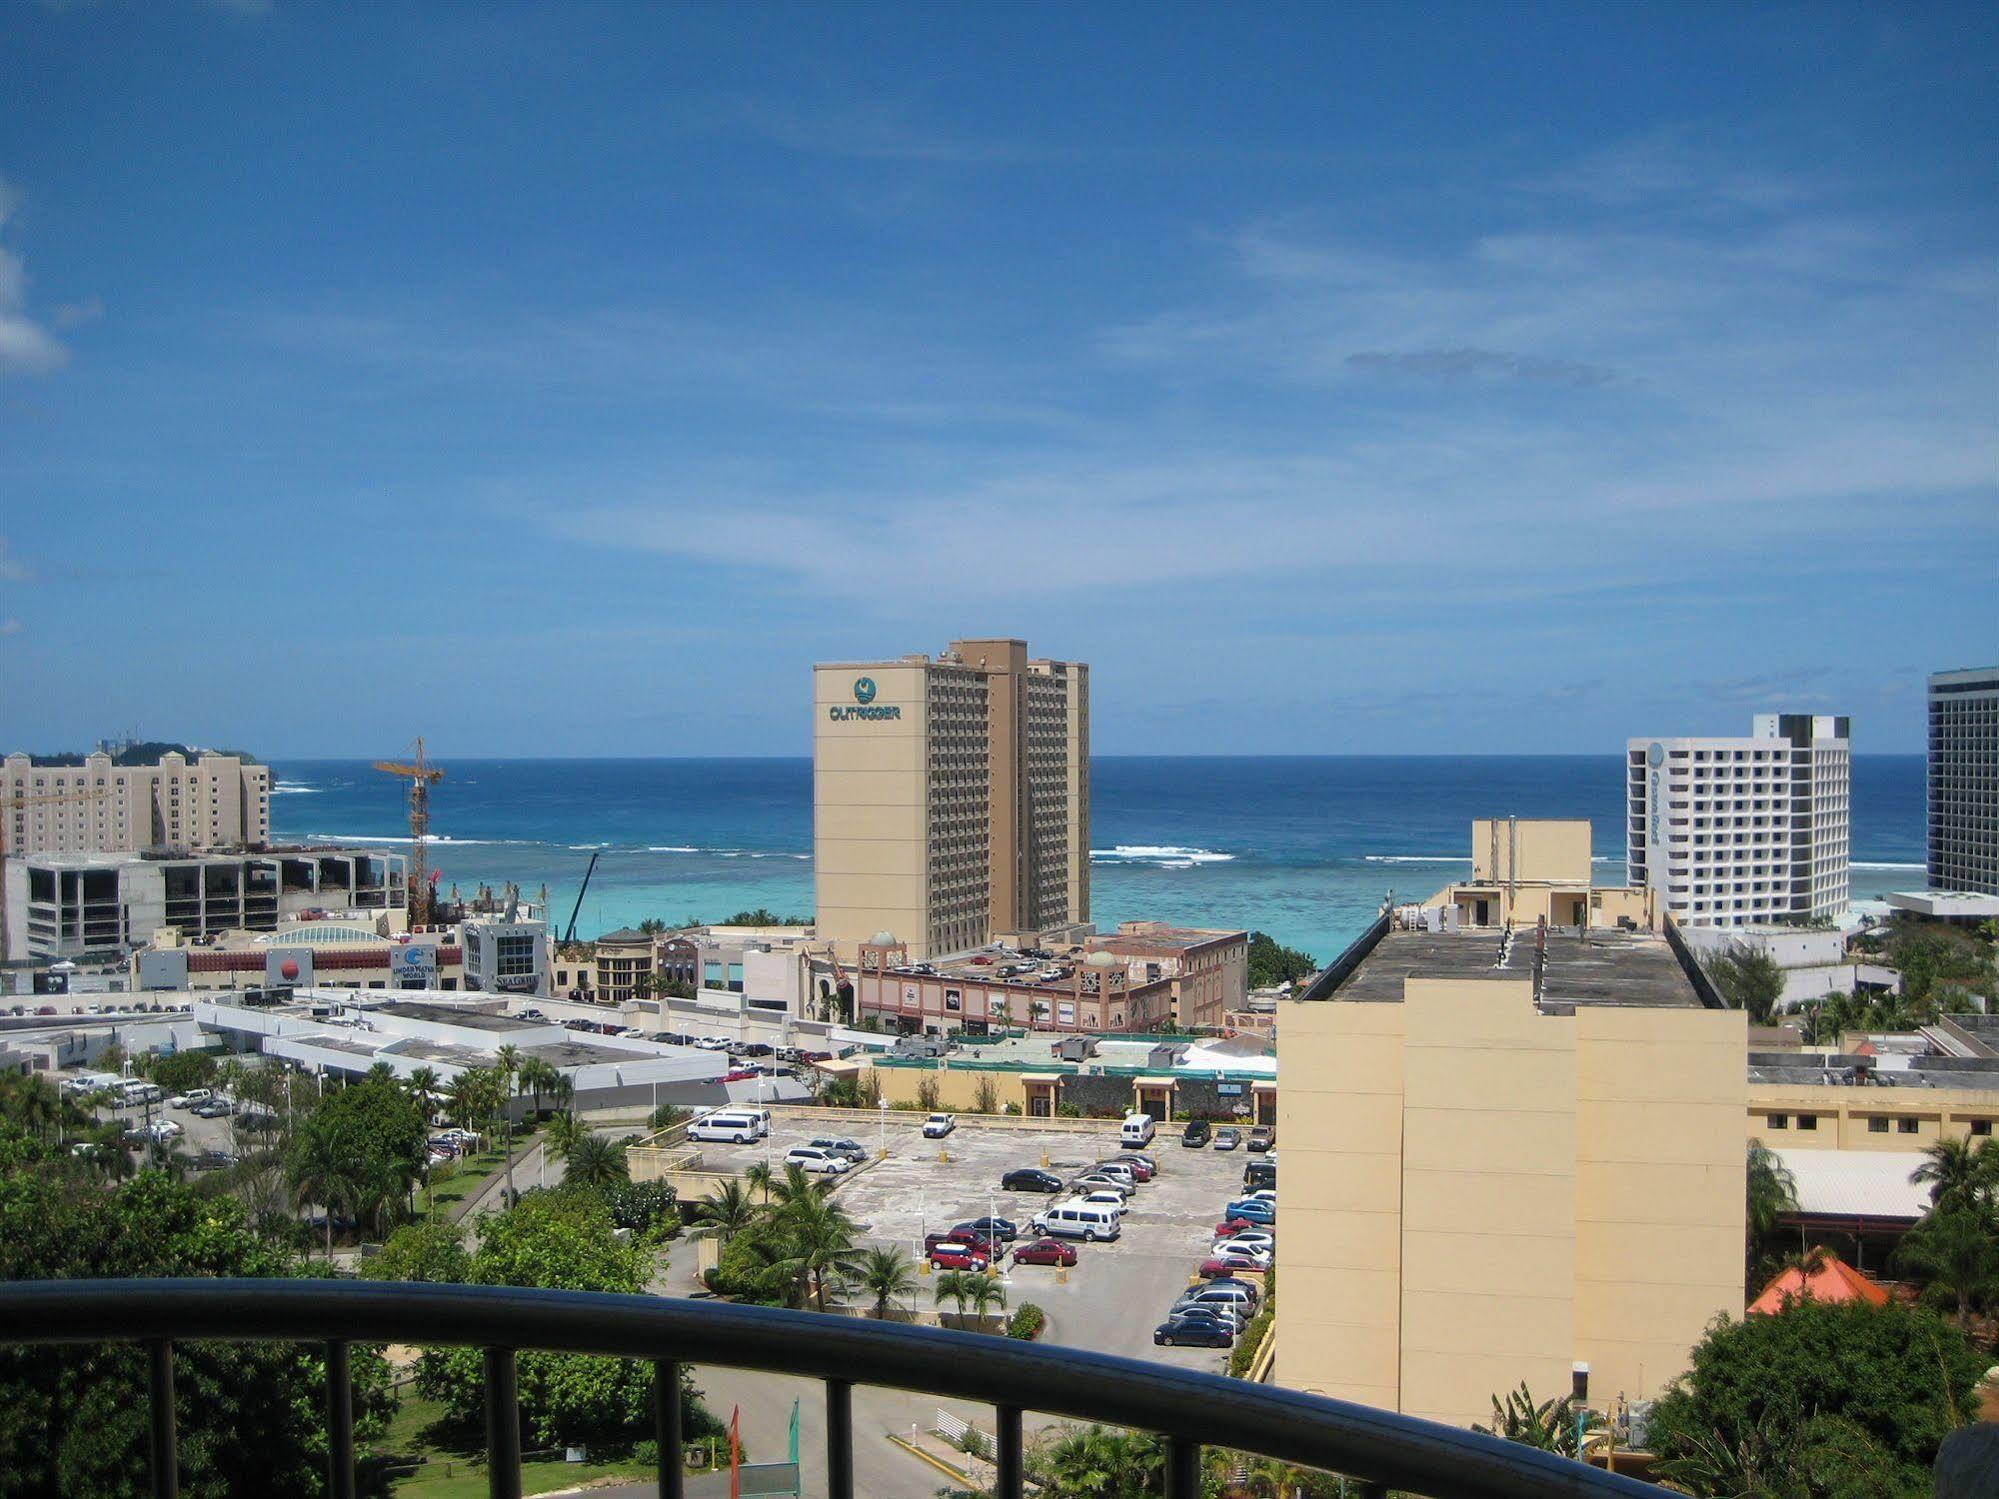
(1191, 1410)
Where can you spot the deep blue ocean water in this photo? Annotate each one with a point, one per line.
(1303, 848)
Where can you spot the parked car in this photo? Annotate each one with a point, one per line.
(1119, 1171)
(937, 1126)
(1262, 1137)
(963, 1234)
(1143, 1167)
(214, 1160)
(215, 1108)
(712, 1043)
(1003, 1229)
(1255, 1209)
(1211, 1269)
(958, 1256)
(1228, 1137)
(1045, 1252)
(532, 1014)
(190, 1098)
(1261, 1173)
(1228, 1228)
(821, 1162)
(1197, 1133)
(1239, 1294)
(1192, 1332)
(840, 1145)
(1251, 1238)
(1092, 1181)
(1241, 1256)
(739, 1075)
(1221, 1317)
(1030, 1179)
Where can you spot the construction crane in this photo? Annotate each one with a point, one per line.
(420, 775)
(18, 803)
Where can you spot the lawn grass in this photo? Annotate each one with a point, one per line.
(457, 1469)
(472, 1175)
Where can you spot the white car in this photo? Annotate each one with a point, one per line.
(937, 1126)
(816, 1159)
(1261, 1240)
(1248, 1256)
(712, 1043)
(190, 1098)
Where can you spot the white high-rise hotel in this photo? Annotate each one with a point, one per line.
(1742, 832)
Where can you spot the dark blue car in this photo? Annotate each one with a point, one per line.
(1192, 1332)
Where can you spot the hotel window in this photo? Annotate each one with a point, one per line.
(1877, 1126)
(1808, 1121)
(1981, 1127)
(1906, 1126)
(1780, 1121)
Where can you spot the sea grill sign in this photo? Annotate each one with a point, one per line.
(864, 704)
(1655, 757)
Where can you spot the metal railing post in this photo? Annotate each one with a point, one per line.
(339, 1423)
(164, 1449)
(1183, 1468)
(503, 1425)
(666, 1429)
(1006, 1452)
(839, 1439)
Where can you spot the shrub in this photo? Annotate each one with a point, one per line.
(1026, 1322)
(667, 1115)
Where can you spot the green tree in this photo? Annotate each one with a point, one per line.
(885, 1274)
(819, 1236)
(596, 1162)
(985, 1097)
(184, 1071)
(951, 1286)
(73, 1420)
(422, 1085)
(556, 1241)
(432, 1250)
(728, 1209)
(367, 1142)
(321, 1168)
(1770, 1193)
(1960, 1172)
(1099, 1463)
(1748, 978)
(1902, 1378)
(927, 1094)
(758, 1179)
(1953, 1250)
(651, 1208)
(1271, 963)
(984, 1292)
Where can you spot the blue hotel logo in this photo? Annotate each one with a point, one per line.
(864, 696)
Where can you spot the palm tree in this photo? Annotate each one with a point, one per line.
(758, 1176)
(563, 1133)
(1097, 1461)
(1953, 1248)
(537, 1076)
(464, 1099)
(983, 1291)
(728, 1208)
(1771, 1193)
(1549, 1425)
(596, 1162)
(320, 1170)
(796, 1185)
(1958, 1172)
(422, 1085)
(884, 1274)
(951, 1287)
(820, 1237)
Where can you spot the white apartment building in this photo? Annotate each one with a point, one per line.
(1743, 832)
(172, 804)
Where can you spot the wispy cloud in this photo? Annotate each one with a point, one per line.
(76, 314)
(26, 347)
(10, 627)
(869, 129)
(12, 569)
(1459, 363)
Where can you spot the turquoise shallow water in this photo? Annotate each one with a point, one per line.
(1304, 848)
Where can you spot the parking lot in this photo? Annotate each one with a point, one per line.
(900, 1132)
(1116, 1293)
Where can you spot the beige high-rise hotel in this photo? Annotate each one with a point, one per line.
(950, 797)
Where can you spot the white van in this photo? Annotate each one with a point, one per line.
(1078, 1220)
(138, 1090)
(1137, 1131)
(90, 1082)
(736, 1126)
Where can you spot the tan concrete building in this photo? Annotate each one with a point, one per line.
(1527, 871)
(1208, 971)
(174, 804)
(1498, 1162)
(950, 797)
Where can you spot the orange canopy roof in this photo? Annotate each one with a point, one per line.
(1829, 1278)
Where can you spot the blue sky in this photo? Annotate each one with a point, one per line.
(567, 379)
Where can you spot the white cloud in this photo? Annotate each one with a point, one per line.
(10, 627)
(12, 569)
(26, 348)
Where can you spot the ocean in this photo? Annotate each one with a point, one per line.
(1304, 848)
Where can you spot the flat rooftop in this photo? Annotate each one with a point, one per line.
(471, 1020)
(1165, 939)
(1599, 968)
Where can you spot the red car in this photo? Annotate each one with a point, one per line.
(1223, 1269)
(1140, 1171)
(952, 1256)
(1235, 1226)
(1045, 1252)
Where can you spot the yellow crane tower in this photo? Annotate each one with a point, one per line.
(16, 803)
(420, 774)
